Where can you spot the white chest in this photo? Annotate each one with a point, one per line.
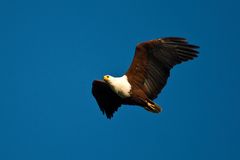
(121, 86)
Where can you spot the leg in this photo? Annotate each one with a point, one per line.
(152, 107)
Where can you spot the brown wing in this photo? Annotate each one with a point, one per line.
(107, 100)
(153, 61)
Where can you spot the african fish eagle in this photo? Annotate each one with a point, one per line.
(146, 76)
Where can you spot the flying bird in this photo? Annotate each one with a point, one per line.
(146, 76)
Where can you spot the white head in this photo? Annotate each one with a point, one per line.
(120, 85)
(107, 78)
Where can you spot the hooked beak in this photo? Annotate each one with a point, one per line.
(105, 78)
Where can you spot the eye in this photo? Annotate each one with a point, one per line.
(107, 76)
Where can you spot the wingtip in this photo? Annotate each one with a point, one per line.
(177, 39)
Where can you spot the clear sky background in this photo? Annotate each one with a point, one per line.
(51, 50)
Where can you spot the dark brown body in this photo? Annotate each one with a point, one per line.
(106, 98)
(139, 98)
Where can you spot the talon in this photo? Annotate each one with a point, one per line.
(151, 105)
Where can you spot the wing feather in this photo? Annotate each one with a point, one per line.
(108, 101)
(153, 61)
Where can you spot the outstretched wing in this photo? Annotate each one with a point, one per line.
(107, 100)
(153, 61)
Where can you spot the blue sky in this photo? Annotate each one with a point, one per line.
(52, 50)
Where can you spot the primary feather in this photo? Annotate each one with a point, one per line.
(153, 61)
